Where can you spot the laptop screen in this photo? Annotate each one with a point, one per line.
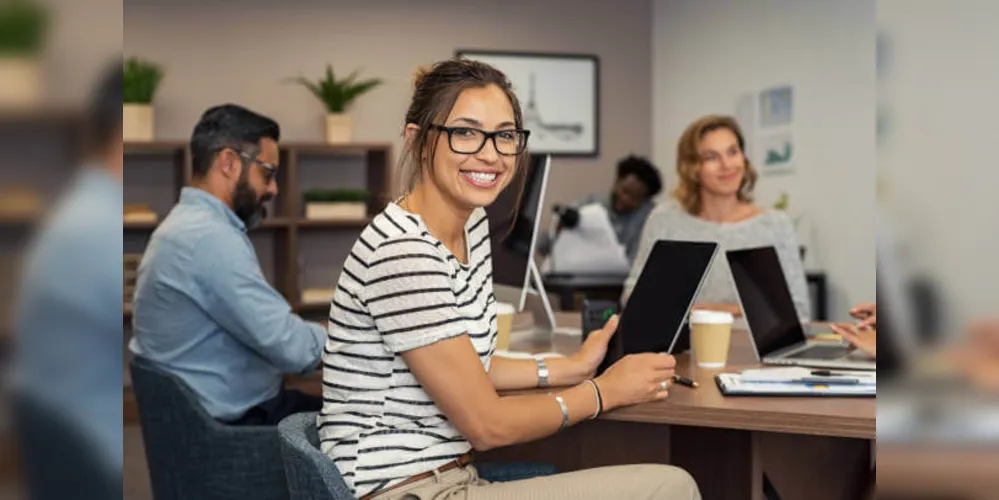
(661, 298)
(766, 299)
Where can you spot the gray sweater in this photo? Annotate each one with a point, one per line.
(770, 228)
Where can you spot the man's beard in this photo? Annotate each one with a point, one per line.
(248, 206)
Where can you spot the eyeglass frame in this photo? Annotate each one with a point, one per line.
(270, 168)
(485, 138)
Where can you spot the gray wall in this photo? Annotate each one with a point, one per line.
(240, 51)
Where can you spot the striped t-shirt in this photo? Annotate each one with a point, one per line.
(400, 289)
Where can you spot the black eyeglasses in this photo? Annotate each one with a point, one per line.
(270, 170)
(469, 141)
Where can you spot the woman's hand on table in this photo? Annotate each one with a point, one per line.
(864, 339)
(867, 314)
(636, 378)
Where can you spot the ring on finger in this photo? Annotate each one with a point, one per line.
(664, 385)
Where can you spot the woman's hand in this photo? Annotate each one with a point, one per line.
(636, 378)
(867, 313)
(589, 356)
(866, 340)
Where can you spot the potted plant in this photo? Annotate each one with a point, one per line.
(337, 95)
(336, 204)
(23, 27)
(140, 80)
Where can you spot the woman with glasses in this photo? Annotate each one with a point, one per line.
(410, 383)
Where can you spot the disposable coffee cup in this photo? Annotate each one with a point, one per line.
(710, 337)
(504, 323)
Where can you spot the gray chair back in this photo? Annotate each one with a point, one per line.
(192, 455)
(310, 473)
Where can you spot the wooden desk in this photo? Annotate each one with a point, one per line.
(814, 448)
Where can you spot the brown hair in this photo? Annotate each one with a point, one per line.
(436, 90)
(688, 162)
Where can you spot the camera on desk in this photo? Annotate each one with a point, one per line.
(568, 217)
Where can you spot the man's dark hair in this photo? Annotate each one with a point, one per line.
(104, 110)
(645, 171)
(228, 126)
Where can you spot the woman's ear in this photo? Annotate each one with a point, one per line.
(410, 132)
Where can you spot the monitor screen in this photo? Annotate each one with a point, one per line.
(513, 226)
(766, 299)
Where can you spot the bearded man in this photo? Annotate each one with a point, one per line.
(203, 309)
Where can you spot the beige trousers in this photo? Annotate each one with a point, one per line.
(625, 482)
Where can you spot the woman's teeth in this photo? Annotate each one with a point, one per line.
(480, 177)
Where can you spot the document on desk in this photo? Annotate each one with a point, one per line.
(735, 384)
(809, 375)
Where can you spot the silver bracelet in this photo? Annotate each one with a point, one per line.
(596, 392)
(542, 373)
(565, 412)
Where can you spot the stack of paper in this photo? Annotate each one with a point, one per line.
(797, 381)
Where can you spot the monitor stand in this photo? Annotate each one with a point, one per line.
(536, 286)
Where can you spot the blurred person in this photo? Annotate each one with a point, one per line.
(410, 382)
(203, 309)
(714, 202)
(628, 204)
(66, 378)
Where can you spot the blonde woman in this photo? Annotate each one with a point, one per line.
(714, 202)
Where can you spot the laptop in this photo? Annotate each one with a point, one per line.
(772, 319)
(663, 295)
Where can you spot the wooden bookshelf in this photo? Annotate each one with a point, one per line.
(155, 172)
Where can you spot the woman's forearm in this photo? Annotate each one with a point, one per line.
(525, 418)
(509, 374)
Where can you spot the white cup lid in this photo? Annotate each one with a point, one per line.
(505, 308)
(711, 317)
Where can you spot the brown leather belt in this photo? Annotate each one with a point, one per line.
(454, 464)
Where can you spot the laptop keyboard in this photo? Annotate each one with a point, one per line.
(821, 352)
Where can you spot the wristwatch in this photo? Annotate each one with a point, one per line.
(542, 373)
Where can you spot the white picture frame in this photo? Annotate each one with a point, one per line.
(559, 95)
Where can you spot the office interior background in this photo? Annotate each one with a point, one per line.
(662, 65)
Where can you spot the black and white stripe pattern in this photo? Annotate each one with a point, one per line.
(400, 289)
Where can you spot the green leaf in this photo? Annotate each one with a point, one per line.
(140, 81)
(24, 25)
(336, 94)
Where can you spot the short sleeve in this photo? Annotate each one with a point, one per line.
(409, 293)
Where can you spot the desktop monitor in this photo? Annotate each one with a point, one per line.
(514, 227)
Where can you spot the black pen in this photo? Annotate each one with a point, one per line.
(684, 381)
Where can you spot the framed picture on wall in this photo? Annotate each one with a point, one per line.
(560, 96)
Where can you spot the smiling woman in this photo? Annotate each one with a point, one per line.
(714, 202)
(409, 379)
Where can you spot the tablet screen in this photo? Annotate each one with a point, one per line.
(661, 299)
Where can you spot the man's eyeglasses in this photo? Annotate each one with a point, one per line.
(469, 141)
(270, 170)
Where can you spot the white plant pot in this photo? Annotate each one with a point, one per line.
(20, 82)
(137, 123)
(354, 210)
(339, 128)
